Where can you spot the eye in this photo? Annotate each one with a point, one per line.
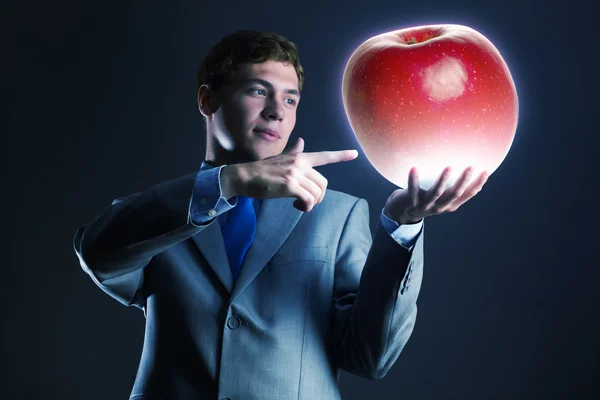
(254, 90)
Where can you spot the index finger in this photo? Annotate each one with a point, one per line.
(318, 158)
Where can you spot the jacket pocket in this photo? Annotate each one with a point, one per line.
(299, 254)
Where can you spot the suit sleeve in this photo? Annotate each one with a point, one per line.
(118, 244)
(377, 282)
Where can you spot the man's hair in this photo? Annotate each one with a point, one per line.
(246, 46)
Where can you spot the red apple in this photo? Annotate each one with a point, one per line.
(430, 97)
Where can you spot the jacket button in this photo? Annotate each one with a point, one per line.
(233, 323)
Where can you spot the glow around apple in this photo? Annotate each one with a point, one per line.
(430, 97)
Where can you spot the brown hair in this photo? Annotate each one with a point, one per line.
(245, 46)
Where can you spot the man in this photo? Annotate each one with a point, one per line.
(274, 302)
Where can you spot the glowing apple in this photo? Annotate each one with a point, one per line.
(429, 97)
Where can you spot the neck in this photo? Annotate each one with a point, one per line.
(217, 155)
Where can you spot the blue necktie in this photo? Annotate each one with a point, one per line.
(238, 233)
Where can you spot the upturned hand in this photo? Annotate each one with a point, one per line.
(411, 205)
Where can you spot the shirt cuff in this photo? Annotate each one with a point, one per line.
(207, 200)
(406, 235)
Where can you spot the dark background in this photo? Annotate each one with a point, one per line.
(99, 101)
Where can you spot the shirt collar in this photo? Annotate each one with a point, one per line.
(205, 165)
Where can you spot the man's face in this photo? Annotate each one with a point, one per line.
(257, 97)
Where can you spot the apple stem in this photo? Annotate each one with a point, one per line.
(412, 40)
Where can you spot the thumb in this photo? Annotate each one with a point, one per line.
(298, 147)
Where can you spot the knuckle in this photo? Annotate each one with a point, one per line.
(290, 180)
(290, 173)
(296, 160)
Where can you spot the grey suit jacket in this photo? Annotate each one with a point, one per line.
(316, 293)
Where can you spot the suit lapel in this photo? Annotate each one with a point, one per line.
(275, 221)
(211, 245)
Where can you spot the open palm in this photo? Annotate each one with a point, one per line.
(409, 206)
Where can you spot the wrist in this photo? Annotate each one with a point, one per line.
(401, 220)
(408, 222)
(230, 181)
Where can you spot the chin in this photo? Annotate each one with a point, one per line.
(265, 149)
(254, 153)
(263, 155)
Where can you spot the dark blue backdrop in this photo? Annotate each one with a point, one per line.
(99, 101)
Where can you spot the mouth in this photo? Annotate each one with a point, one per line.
(267, 134)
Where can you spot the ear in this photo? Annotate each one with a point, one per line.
(207, 101)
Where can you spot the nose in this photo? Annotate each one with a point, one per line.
(273, 110)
